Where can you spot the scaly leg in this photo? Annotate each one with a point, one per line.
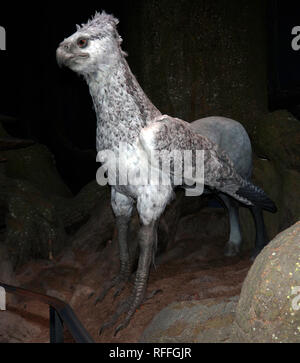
(147, 240)
(261, 237)
(150, 205)
(122, 207)
(233, 245)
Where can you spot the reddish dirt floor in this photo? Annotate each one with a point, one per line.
(188, 272)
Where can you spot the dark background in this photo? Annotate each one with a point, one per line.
(284, 70)
(54, 106)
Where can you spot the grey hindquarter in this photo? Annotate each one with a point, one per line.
(231, 137)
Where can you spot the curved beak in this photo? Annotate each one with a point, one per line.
(60, 57)
(65, 54)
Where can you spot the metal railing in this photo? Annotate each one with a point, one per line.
(60, 314)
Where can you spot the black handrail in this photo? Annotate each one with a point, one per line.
(60, 313)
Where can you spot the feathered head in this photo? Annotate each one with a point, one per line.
(95, 45)
(101, 25)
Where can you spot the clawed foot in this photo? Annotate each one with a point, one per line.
(147, 241)
(119, 282)
(231, 249)
(128, 306)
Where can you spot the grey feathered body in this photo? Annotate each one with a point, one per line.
(230, 136)
(122, 108)
(124, 113)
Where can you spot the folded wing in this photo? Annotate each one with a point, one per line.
(169, 134)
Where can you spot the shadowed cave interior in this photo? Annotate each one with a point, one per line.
(193, 59)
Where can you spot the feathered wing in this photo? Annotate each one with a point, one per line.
(170, 134)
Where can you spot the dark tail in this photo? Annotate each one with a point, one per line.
(257, 197)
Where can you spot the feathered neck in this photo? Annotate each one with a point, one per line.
(122, 108)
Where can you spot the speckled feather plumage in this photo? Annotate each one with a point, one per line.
(174, 134)
(122, 111)
(126, 115)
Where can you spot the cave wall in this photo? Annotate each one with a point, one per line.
(201, 58)
(197, 58)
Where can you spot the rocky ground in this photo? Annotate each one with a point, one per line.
(194, 270)
(65, 246)
(205, 297)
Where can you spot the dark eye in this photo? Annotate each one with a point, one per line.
(82, 42)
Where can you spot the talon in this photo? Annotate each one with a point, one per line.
(119, 289)
(103, 327)
(91, 295)
(121, 327)
(117, 330)
(116, 294)
(153, 293)
(123, 307)
(100, 297)
(119, 281)
(96, 301)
